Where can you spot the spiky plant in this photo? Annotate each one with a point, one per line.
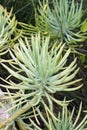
(61, 20)
(41, 72)
(66, 120)
(8, 25)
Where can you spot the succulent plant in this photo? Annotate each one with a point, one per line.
(65, 121)
(8, 25)
(41, 72)
(61, 20)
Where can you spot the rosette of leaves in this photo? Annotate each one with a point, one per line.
(66, 120)
(8, 25)
(40, 71)
(61, 20)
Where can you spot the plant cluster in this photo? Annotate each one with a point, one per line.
(38, 68)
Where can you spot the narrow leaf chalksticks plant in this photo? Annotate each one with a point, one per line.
(65, 121)
(8, 29)
(41, 72)
(61, 20)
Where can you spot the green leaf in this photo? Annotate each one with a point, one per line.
(84, 26)
(82, 58)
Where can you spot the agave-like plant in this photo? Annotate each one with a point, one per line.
(8, 25)
(61, 20)
(41, 72)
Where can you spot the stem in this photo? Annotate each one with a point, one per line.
(25, 108)
(20, 125)
(16, 114)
